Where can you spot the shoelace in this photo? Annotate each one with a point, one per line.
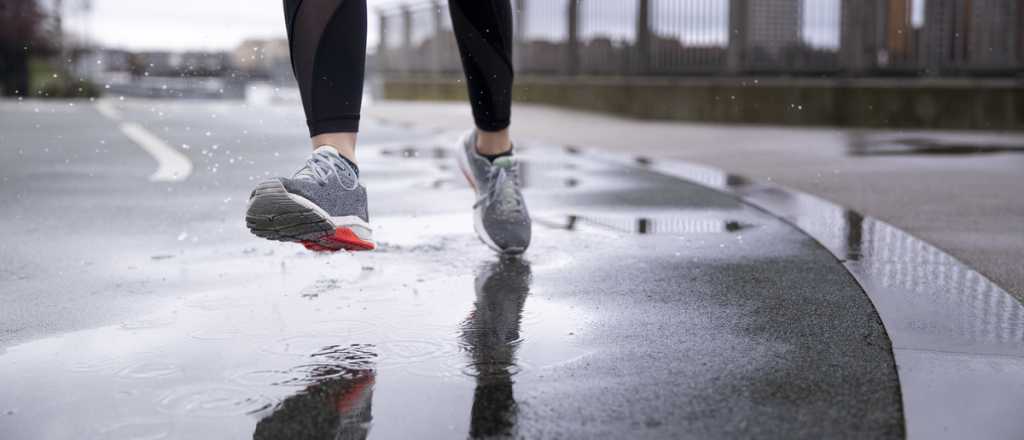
(508, 201)
(320, 167)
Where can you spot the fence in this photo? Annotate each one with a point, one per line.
(733, 37)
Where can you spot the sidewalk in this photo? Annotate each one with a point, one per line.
(646, 307)
(960, 191)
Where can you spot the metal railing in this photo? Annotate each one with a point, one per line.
(730, 37)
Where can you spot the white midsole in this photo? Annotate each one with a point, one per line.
(478, 214)
(357, 225)
(464, 163)
(478, 225)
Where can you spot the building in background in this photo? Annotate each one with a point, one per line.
(989, 28)
(266, 59)
(976, 32)
(880, 34)
(899, 30)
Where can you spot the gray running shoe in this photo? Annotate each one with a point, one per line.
(501, 219)
(322, 206)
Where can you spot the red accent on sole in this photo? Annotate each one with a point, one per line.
(349, 240)
(348, 401)
(313, 246)
(342, 239)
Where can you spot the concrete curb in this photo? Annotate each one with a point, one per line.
(957, 337)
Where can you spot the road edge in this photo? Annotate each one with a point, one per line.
(935, 373)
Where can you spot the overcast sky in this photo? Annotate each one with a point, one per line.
(223, 24)
(183, 24)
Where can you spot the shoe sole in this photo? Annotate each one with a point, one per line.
(478, 213)
(276, 214)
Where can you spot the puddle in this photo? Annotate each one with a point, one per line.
(430, 336)
(656, 225)
(212, 400)
(861, 145)
(299, 365)
(149, 370)
(136, 430)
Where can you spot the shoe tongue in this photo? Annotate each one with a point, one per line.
(327, 149)
(330, 154)
(506, 162)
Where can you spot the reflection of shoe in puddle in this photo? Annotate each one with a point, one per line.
(501, 290)
(336, 407)
(491, 336)
(354, 404)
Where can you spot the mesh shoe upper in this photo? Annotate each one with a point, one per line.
(500, 203)
(330, 182)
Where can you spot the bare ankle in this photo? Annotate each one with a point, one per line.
(343, 143)
(493, 142)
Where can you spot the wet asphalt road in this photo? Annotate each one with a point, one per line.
(647, 307)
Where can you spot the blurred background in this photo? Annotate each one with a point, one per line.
(911, 111)
(133, 132)
(191, 48)
(889, 63)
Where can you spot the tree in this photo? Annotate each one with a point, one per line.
(21, 32)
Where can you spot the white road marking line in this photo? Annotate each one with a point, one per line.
(108, 110)
(172, 165)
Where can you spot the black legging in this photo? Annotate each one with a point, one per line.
(328, 49)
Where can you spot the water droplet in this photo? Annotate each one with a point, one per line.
(137, 429)
(213, 400)
(149, 370)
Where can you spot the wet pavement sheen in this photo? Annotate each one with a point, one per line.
(958, 337)
(648, 307)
